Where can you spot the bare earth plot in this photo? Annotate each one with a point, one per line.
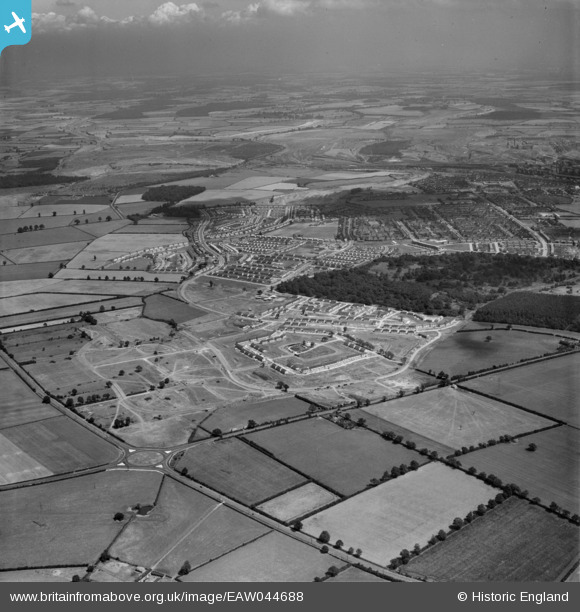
(551, 387)
(237, 416)
(343, 460)
(551, 472)
(298, 502)
(59, 445)
(516, 542)
(69, 522)
(273, 557)
(465, 352)
(402, 512)
(184, 526)
(238, 470)
(456, 417)
(19, 404)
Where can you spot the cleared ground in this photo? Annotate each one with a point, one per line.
(551, 387)
(238, 470)
(465, 352)
(551, 472)
(59, 445)
(516, 542)
(402, 512)
(19, 404)
(271, 558)
(343, 460)
(457, 418)
(237, 416)
(184, 526)
(69, 522)
(298, 502)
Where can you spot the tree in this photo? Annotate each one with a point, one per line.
(46, 399)
(119, 516)
(217, 432)
(332, 571)
(324, 550)
(297, 526)
(185, 568)
(339, 544)
(252, 424)
(121, 372)
(324, 537)
(76, 578)
(531, 447)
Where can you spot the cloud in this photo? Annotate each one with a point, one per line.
(169, 13)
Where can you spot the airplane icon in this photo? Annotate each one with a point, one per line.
(17, 22)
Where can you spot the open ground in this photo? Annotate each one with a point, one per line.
(343, 460)
(457, 418)
(398, 514)
(515, 542)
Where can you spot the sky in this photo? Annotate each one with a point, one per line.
(152, 37)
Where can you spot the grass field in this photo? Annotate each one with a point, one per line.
(344, 460)
(27, 272)
(184, 526)
(60, 574)
(326, 231)
(353, 574)
(400, 513)
(470, 352)
(273, 557)
(550, 387)
(139, 329)
(457, 418)
(516, 542)
(50, 252)
(161, 307)
(162, 228)
(298, 502)
(379, 425)
(237, 415)
(59, 235)
(552, 472)
(14, 288)
(59, 445)
(19, 404)
(68, 311)
(43, 301)
(238, 470)
(69, 522)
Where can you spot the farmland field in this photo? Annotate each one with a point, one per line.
(344, 460)
(353, 574)
(516, 542)
(161, 307)
(238, 470)
(19, 404)
(298, 502)
(69, 522)
(457, 418)
(164, 228)
(60, 235)
(237, 416)
(43, 301)
(463, 352)
(59, 445)
(27, 272)
(273, 557)
(50, 252)
(402, 512)
(550, 387)
(375, 423)
(185, 525)
(551, 472)
(68, 311)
